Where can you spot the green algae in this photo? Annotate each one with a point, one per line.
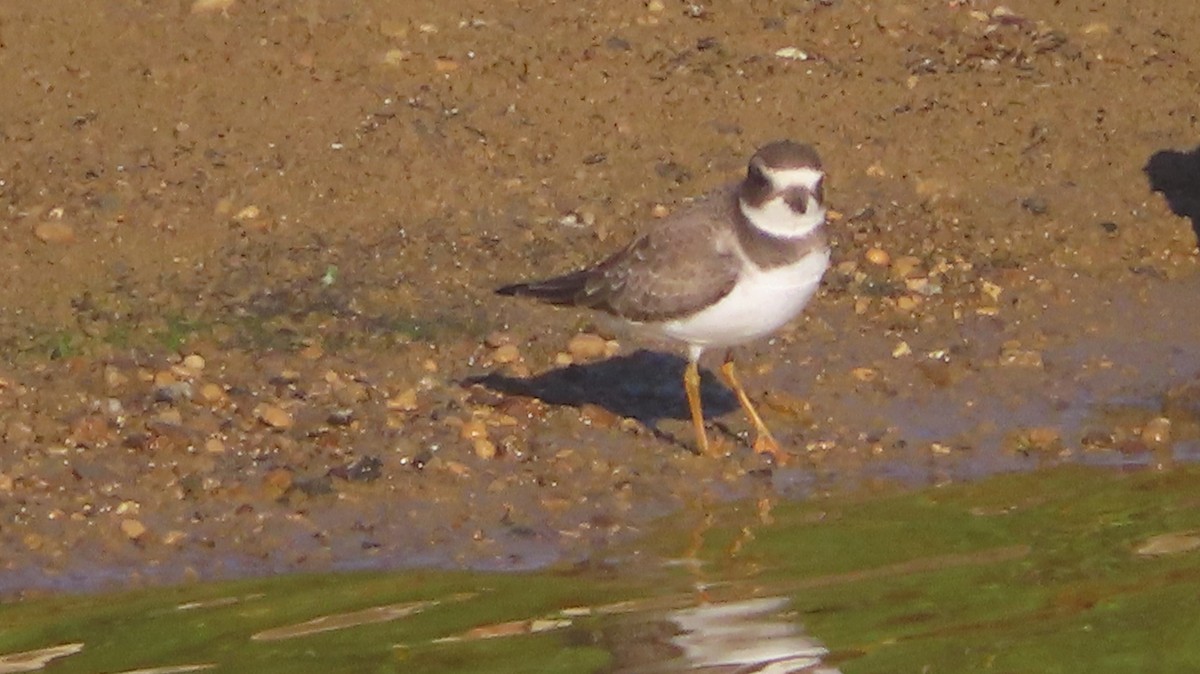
(1035, 572)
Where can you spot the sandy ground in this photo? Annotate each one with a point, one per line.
(247, 254)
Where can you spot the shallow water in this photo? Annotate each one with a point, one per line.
(1070, 569)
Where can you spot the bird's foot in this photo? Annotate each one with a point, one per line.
(766, 444)
(717, 447)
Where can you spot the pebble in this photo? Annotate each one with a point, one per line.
(54, 232)
(1014, 356)
(274, 416)
(484, 448)
(1041, 439)
(497, 339)
(250, 212)
(1035, 205)
(114, 378)
(905, 265)
(878, 256)
(194, 362)
(598, 416)
(991, 290)
(277, 481)
(1157, 432)
(865, 374)
(212, 393)
(403, 402)
(133, 529)
(1169, 544)
(506, 353)
(586, 346)
(208, 6)
(473, 430)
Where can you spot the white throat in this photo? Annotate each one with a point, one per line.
(776, 218)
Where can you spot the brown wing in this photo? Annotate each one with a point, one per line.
(678, 268)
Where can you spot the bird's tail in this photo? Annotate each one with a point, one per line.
(563, 290)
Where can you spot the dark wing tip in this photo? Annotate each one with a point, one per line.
(565, 289)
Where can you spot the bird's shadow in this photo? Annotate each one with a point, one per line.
(1177, 176)
(644, 385)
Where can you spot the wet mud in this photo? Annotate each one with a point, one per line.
(249, 251)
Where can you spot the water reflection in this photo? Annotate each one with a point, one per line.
(742, 636)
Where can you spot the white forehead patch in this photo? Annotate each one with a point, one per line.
(778, 219)
(782, 179)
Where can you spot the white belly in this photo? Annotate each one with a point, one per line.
(760, 303)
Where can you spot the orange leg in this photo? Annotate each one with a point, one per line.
(764, 442)
(691, 384)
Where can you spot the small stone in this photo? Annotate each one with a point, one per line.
(1013, 355)
(878, 256)
(473, 429)
(792, 54)
(54, 232)
(393, 57)
(1157, 432)
(212, 393)
(1038, 440)
(901, 350)
(586, 346)
(506, 353)
(248, 213)
(497, 339)
(404, 402)
(484, 448)
(905, 265)
(194, 362)
(445, 65)
(277, 481)
(208, 6)
(660, 211)
(598, 416)
(114, 378)
(214, 446)
(1169, 544)
(865, 374)
(132, 528)
(1035, 205)
(274, 416)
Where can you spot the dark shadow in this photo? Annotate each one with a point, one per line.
(1177, 176)
(645, 385)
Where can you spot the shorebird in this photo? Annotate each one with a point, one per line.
(733, 266)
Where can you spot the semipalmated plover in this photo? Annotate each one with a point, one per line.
(733, 266)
